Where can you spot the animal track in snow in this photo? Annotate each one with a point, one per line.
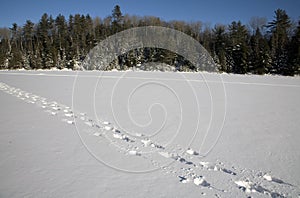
(186, 166)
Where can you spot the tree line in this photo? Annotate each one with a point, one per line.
(260, 47)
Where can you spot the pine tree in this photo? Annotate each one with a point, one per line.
(61, 42)
(28, 35)
(294, 51)
(5, 47)
(238, 48)
(43, 34)
(117, 19)
(71, 44)
(279, 42)
(53, 56)
(259, 60)
(89, 34)
(16, 59)
(220, 46)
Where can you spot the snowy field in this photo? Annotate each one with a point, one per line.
(148, 134)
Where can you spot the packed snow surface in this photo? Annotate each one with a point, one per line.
(148, 134)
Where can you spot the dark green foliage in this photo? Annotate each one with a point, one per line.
(294, 51)
(238, 48)
(259, 59)
(220, 46)
(117, 19)
(63, 43)
(279, 43)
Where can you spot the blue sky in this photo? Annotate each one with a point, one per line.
(208, 11)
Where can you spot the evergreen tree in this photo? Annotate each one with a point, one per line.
(71, 44)
(259, 60)
(117, 19)
(14, 35)
(28, 34)
(61, 43)
(44, 42)
(220, 46)
(16, 59)
(89, 34)
(279, 42)
(64, 43)
(238, 47)
(294, 51)
(5, 47)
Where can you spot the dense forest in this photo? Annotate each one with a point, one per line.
(260, 47)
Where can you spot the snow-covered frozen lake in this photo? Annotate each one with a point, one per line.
(148, 134)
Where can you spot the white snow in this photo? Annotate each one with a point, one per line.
(68, 114)
(108, 128)
(200, 181)
(247, 185)
(89, 123)
(97, 134)
(191, 151)
(165, 154)
(146, 142)
(204, 164)
(267, 177)
(138, 134)
(70, 122)
(132, 152)
(118, 136)
(173, 130)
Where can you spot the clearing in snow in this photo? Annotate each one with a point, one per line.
(146, 134)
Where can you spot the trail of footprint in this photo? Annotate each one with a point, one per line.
(186, 163)
(250, 187)
(51, 107)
